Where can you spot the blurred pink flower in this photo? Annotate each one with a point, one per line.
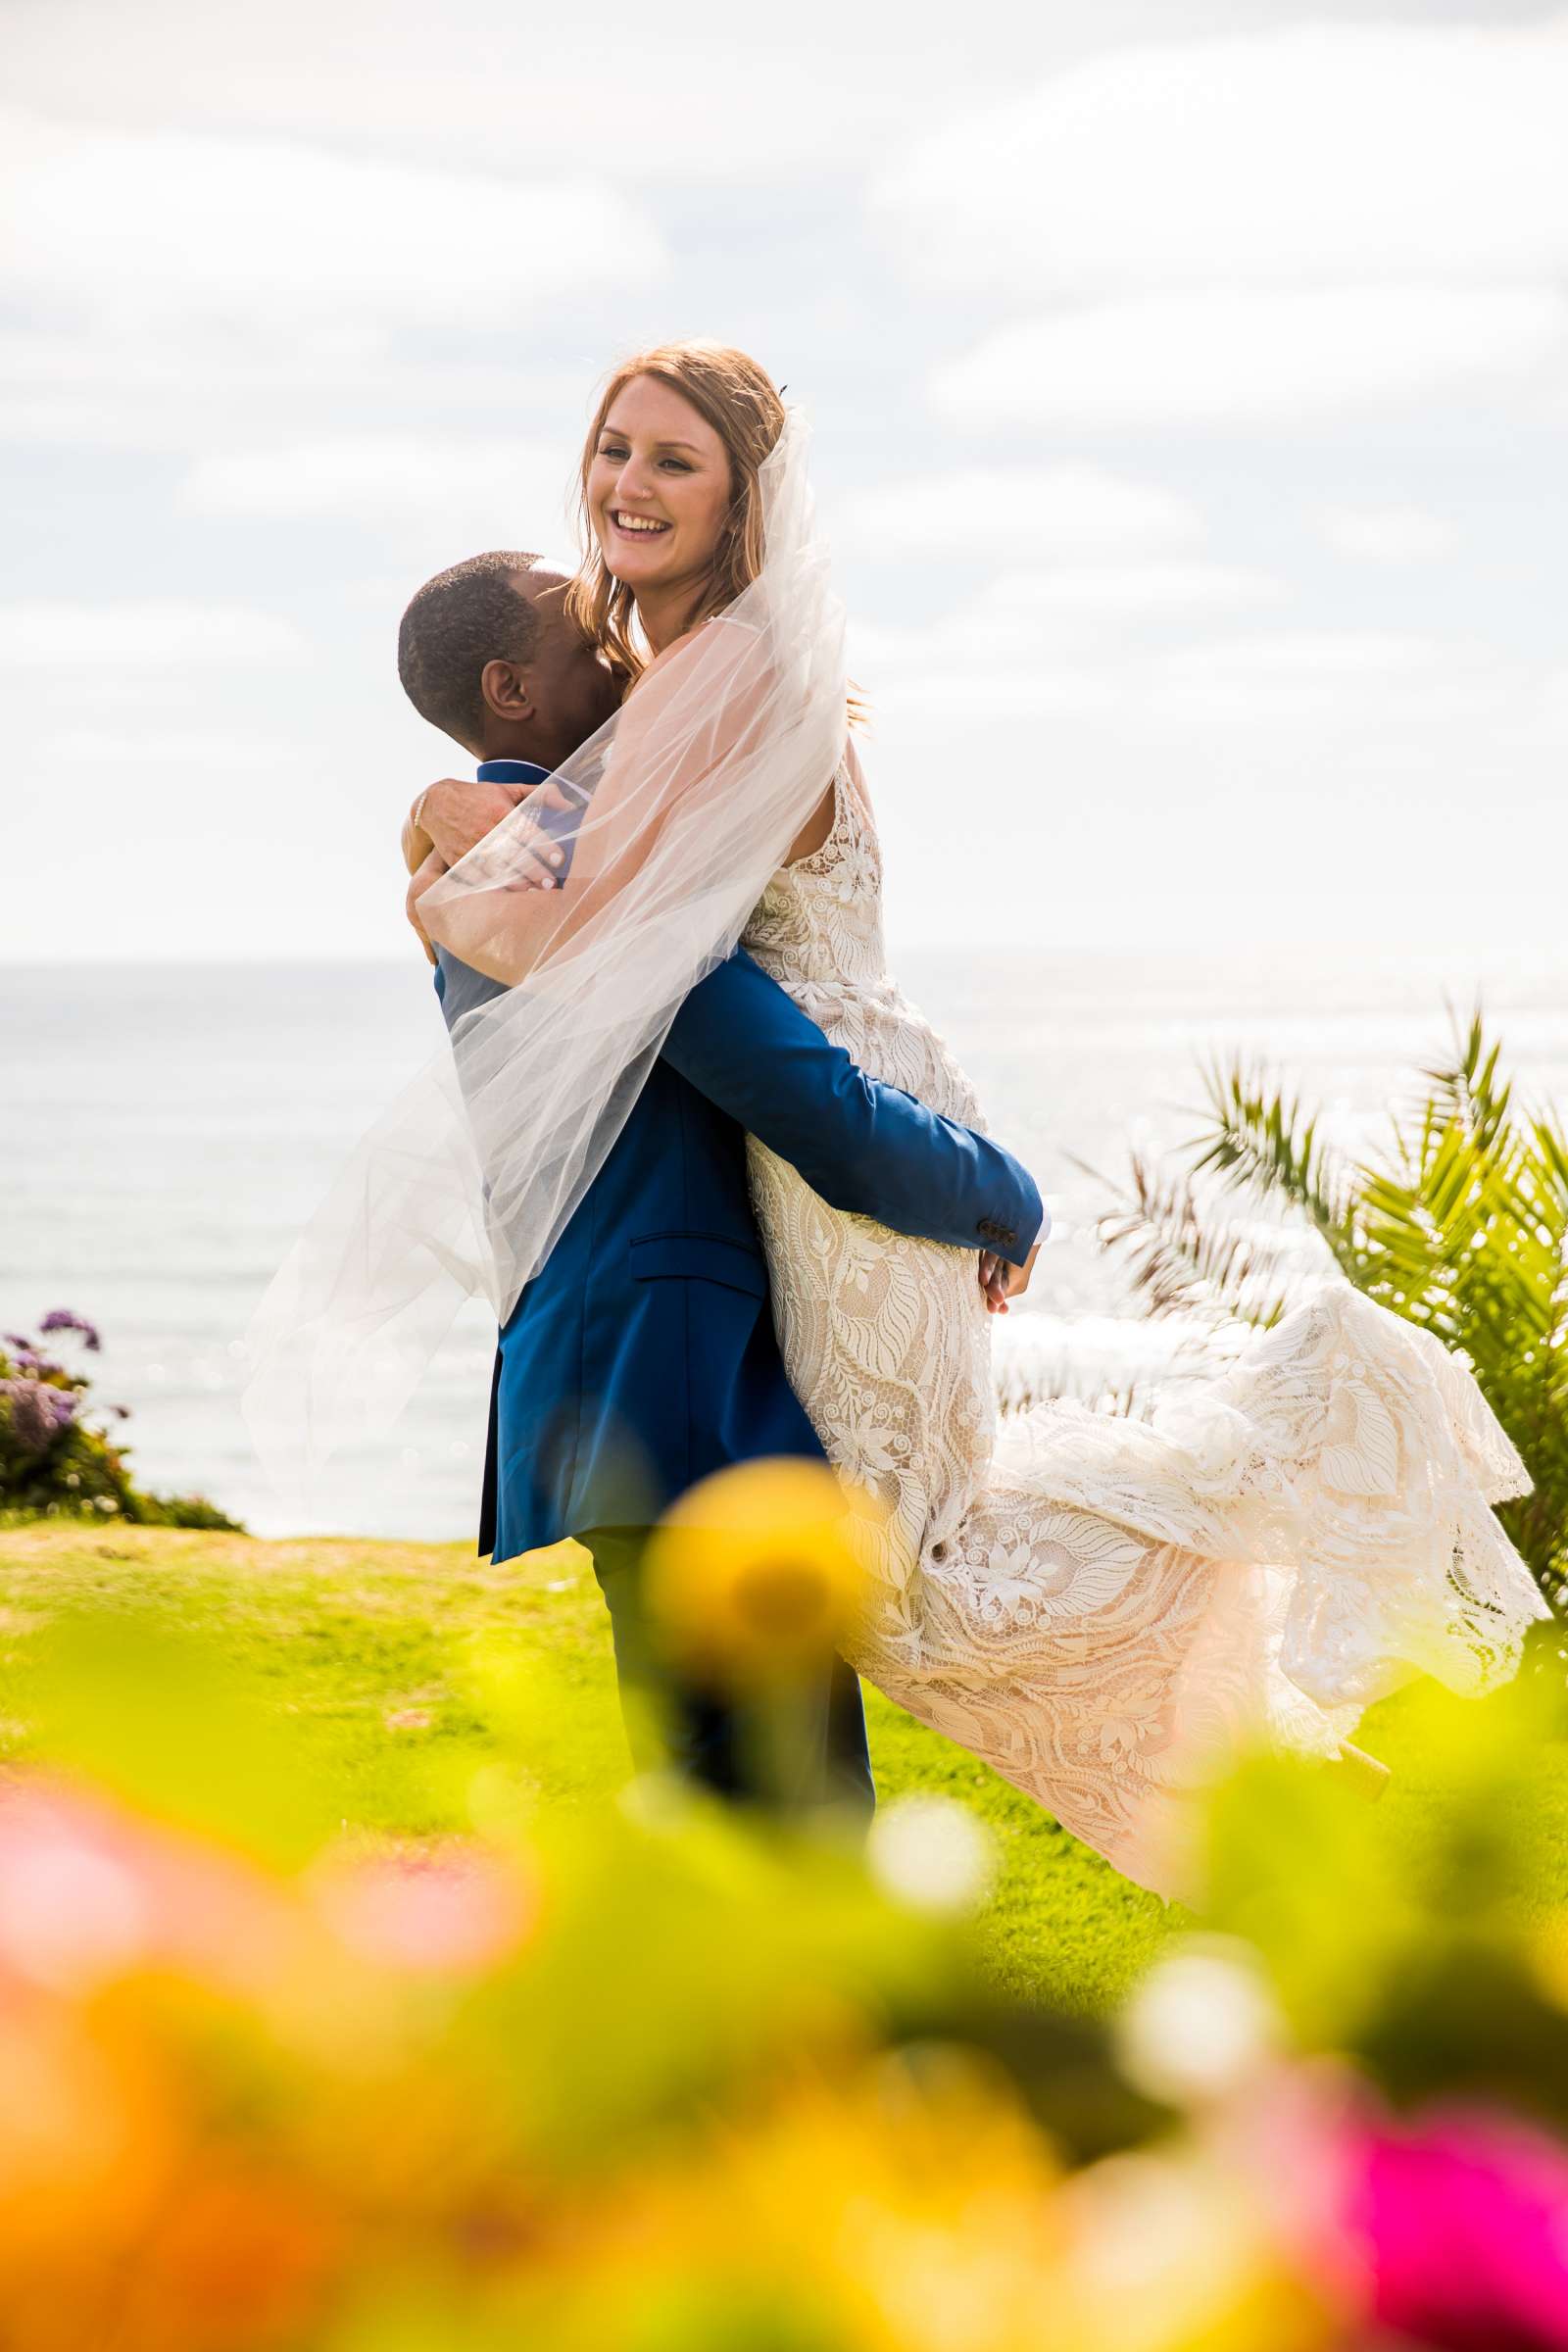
(1464, 2220)
(455, 1914)
(88, 1893)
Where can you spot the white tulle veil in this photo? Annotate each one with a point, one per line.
(690, 797)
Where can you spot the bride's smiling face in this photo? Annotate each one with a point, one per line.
(659, 488)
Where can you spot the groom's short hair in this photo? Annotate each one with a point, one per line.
(471, 614)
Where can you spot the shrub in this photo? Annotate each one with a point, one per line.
(57, 1456)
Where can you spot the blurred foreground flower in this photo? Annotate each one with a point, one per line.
(1464, 2223)
(449, 1914)
(1202, 2026)
(752, 1578)
(602, 2081)
(910, 2202)
(932, 1854)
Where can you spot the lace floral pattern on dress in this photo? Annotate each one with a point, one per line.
(1103, 1607)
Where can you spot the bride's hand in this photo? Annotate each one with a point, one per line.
(452, 817)
(537, 841)
(1000, 1281)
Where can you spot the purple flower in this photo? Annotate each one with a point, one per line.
(61, 1318)
(35, 1414)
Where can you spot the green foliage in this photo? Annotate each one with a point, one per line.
(1425, 1933)
(1460, 1225)
(57, 1456)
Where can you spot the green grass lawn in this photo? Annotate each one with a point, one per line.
(367, 1648)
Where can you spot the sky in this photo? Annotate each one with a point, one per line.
(1189, 397)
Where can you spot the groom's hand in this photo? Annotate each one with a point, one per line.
(1000, 1281)
(430, 872)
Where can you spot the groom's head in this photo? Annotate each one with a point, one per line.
(487, 654)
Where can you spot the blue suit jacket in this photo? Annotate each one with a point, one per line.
(642, 1355)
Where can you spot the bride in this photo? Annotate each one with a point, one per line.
(1100, 1606)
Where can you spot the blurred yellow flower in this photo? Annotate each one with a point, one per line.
(910, 2202)
(1174, 2249)
(751, 1576)
(1546, 1955)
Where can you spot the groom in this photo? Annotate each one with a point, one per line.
(642, 1354)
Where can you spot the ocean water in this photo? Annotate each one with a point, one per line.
(165, 1131)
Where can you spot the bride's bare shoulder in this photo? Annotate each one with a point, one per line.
(659, 662)
(677, 645)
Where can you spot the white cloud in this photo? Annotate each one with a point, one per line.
(1265, 229)
(1133, 649)
(1138, 590)
(120, 385)
(1323, 152)
(1061, 514)
(1020, 622)
(1218, 356)
(490, 81)
(164, 748)
(1335, 677)
(374, 476)
(389, 418)
(1160, 821)
(142, 634)
(258, 235)
(1387, 534)
(1541, 721)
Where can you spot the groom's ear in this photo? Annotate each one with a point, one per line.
(505, 691)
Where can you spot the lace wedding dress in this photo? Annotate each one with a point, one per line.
(1098, 1606)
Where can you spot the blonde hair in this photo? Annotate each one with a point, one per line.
(739, 402)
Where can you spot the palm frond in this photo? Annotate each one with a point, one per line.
(1466, 1087)
(1185, 1261)
(1264, 1141)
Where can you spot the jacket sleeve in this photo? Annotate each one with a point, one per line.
(864, 1146)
